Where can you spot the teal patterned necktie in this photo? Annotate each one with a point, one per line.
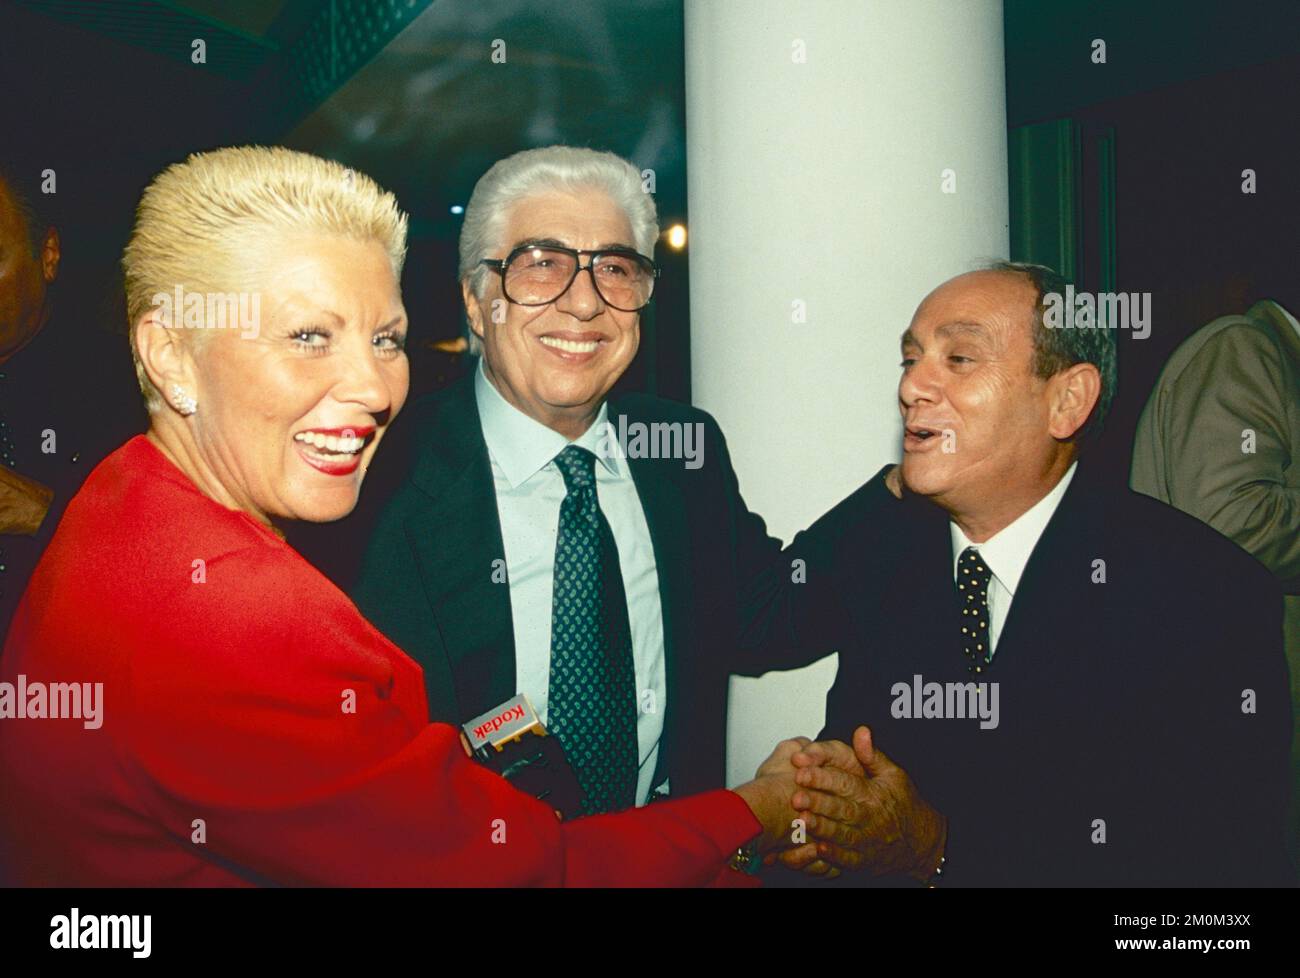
(592, 696)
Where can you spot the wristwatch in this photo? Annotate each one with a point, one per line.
(747, 859)
(936, 877)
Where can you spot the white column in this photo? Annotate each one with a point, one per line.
(844, 157)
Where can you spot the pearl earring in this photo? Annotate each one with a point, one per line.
(182, 401)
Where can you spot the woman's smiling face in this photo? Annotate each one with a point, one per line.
(292, 405)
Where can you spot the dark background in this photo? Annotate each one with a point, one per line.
(1193, 93)
(106, 94)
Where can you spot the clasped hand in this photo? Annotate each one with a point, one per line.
(849, 808)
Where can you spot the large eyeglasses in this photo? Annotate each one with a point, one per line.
(537, 275)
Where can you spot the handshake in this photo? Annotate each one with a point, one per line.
(828, 807)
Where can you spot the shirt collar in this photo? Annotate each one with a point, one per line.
(522, 446)
(1007, 551)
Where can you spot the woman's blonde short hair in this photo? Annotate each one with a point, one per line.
(197, 219)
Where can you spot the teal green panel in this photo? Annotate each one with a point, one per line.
(1044, 198)
(341, 37)
(1106, 232)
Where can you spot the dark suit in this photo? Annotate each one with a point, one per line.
(1118, 701)
(426, 580)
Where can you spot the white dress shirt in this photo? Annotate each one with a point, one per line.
(1007, 551)
(529, 490)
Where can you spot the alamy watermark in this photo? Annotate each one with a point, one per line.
(920, 700)
(185, 309)
(53, 701)
(128, 932)
(1101, 310)
(657, 439)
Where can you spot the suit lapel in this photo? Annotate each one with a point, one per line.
(1053, 584)
(664, 506)
(933, 594)
(456, 538)
(917, 614)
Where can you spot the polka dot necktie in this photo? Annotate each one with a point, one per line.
(973, 577)
(592, 696)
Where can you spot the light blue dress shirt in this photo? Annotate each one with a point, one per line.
(529, 490)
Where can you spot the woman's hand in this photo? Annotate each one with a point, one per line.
(769, 796)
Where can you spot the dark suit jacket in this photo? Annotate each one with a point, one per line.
(426, 580)
(1119, 702)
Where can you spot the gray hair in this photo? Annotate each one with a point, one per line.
(1058, 349)
(539, 171)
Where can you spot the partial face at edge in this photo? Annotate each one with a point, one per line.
(24, 278)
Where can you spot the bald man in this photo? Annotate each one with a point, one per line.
(1061, 685)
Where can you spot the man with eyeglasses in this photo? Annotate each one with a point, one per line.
(520, 554)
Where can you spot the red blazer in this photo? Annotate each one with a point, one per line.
(256, 729)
